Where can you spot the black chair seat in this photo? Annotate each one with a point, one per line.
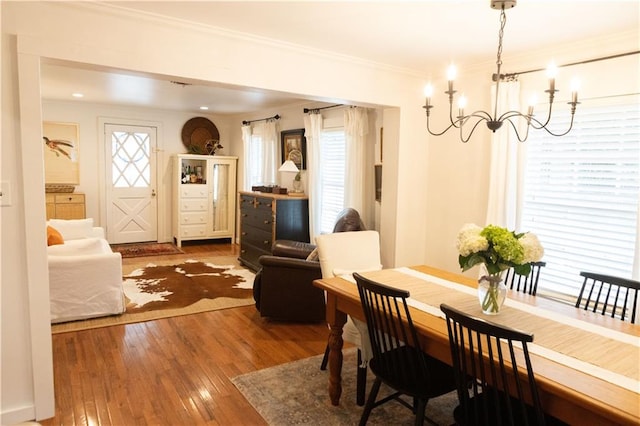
(433, 381)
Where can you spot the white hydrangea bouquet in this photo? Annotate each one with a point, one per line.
(498, 249)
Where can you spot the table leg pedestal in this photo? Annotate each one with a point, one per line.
(336, 321)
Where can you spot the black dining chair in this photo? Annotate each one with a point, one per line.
(397, 358)
(527, 284)
(486, 352)
(613, 296)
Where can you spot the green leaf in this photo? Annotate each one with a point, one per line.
(522, 269)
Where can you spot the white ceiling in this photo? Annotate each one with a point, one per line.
(419, 35)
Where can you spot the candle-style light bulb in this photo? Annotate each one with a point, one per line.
(451, 72)
(428, 93)
(462, 102)
(533, 100)
(575, 86)
(552, 72)
(451, 75)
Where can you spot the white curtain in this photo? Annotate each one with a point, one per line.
(505, 180)
(246, 146)
(312, 130)
(356, 126)
(270, 161)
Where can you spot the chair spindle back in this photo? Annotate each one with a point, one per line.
(489, 353)
(609, 295)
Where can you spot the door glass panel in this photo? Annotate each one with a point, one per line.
(130, 160)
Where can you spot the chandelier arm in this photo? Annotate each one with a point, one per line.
(480, 120)
(440, 133)
(544, 127)
(480, 114)
(454, 123)
(515, 129)
(510, 114)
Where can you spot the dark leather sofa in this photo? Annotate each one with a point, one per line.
(283, 287)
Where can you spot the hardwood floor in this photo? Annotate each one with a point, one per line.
(173, 371)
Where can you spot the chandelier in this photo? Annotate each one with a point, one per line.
(495, 121)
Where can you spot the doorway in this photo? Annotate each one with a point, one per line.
(130, 177)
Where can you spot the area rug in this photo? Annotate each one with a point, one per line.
(297, 393)
(160, 291)
(145, 249)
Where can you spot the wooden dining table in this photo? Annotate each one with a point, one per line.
(586, 364)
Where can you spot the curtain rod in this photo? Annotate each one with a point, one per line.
(514, 74)
(246, 122)
(307, 110)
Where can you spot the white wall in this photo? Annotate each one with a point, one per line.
(87, 36)
(430, 185)
(92, 160)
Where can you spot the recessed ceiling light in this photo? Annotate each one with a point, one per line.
(204, 108)
(77, 95)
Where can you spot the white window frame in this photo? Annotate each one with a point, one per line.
(256, 152)
(332, 176)
(581, 195)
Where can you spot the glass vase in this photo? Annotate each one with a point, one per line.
(491, 293)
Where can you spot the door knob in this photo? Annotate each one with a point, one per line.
(153, 192)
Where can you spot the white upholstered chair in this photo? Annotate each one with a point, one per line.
(85, 275)
(344, 253)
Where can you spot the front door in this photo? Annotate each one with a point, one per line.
(131, 184)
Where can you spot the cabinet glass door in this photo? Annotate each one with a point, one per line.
(220, 178)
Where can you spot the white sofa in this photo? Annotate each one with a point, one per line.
(85, 276)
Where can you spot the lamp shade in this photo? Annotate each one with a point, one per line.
(288, 166)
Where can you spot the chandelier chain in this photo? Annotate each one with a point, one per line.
(503, 22)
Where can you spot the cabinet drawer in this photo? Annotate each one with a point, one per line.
(249, 255)
(256, 204)
(193, 191)
(194, 205)
(256, 237)
(258, 220)
(69, 199)
(193, 218)
(188, 231)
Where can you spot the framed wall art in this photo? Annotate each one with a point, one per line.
(61, 153)
(294, 147)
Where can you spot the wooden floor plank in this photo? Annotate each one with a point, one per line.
(174, 370)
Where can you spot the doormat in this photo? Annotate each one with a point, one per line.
(145, 249)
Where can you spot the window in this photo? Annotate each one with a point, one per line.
(332, 160)
(581, 195)
(256, 154)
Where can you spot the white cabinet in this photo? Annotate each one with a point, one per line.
(204, 197)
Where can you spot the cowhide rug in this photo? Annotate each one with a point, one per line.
(177, 286)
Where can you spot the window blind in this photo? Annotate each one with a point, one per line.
(581, 195)
(332, 160)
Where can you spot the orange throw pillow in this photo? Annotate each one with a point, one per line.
(54, 237)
